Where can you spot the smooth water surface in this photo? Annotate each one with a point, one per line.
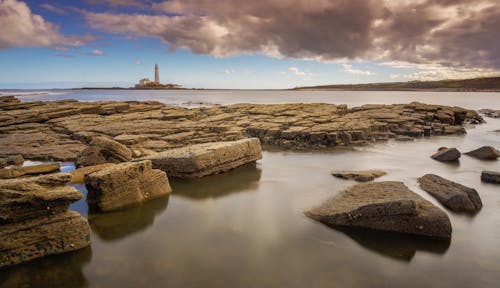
(246, 228)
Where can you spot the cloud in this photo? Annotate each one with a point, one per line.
(296, 71)
(137, 62)
(228, 71)
(348, 68)
(451, 33)
(52, 8)
(22, 28)
(131, 3)
(95, 52)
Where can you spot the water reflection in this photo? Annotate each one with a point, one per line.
(120, 224)
(395, 245)
(63, 270)
(245, 178)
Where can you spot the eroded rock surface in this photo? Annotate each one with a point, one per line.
(14, 172)
(490, 177)
(385, 206)
(34, 218)
(360, 176)
(455, 196)
(207, 159)
(103, 150)
(485, 152)
(125, 185)
(60, 130)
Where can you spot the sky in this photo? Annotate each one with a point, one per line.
(241, 44)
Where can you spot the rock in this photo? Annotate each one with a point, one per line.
(207, 159)
(485, 152)
(15, 160)
(34, 221)
(490, 113)
(79, 174)
(385, 206)
(34, 238)
(456, 197)
(360, 176)
(403, 138)
(3, 163)
(447, 154)
(7, 173)
(125, 185)
(34, 197)
(490, 177)
(103, 150)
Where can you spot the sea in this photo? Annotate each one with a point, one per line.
(247, 228)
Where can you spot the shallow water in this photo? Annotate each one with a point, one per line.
(246, 228)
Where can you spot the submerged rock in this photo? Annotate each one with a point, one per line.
(456, 197)
(490, 177)
(34, 221)
(360, 176)
(485, 152)
(385, 206)
(125, 185)
(447, 154)
(207, 159)
(103, 150)
(7, 173)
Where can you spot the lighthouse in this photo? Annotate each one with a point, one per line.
(157, 74)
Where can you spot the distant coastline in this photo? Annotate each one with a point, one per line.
(490, 84)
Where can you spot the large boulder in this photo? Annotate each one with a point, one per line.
(80, 173)
(103, 150)
(456, 197)
(7, 173)
(447, 155)
(490, 177)
(385, 206)
(34, 221)
(360, 176)
(206, 159)
(125, 185)
(485, 152)
(35, 197)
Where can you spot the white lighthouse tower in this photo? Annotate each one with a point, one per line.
(157, 74)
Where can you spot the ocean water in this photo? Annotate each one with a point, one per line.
(247, 228)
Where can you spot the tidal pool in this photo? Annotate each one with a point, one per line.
(246, 228)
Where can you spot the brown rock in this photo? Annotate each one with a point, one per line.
(125, 185)
(47, 235)
(15, 160)
(384, 206)
(35, 197)
(490, 177)
(360, 176)
(447, 155)
(207, 159)
(7, 173)
(456, 197)
(485, 152)
(103, 150)
(79, 174)
(3, 163)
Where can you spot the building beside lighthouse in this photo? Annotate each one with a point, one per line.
(145, 83)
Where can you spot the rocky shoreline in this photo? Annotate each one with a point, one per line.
(60, 130)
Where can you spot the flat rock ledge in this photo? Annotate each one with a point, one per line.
(385, 206)
(490, 177)
(14, 172)
(35, 221)
(485, 152)
(360, 176)
(125, 185)
(60, 130)
(454, 196)
(207, 159)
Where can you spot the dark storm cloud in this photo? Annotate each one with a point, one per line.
(458, 33)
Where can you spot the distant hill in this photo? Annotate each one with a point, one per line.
(476, 84)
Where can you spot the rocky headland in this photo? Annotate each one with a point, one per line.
(61, 130)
